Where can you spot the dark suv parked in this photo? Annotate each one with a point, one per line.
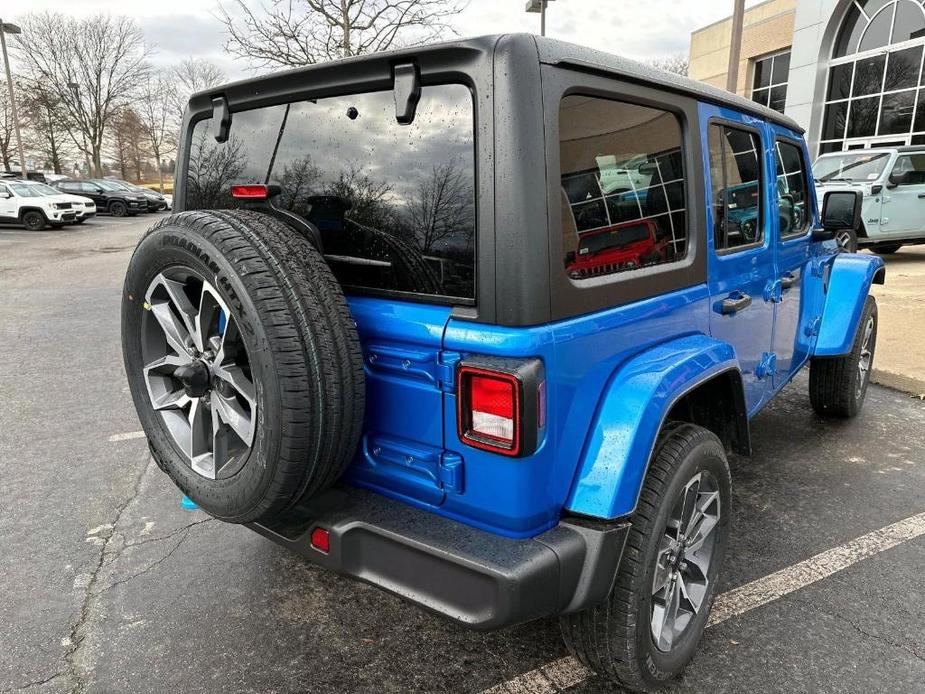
(108, 197)
(155, 201)
(480, 322)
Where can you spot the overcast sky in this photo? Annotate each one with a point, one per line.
(635, 28)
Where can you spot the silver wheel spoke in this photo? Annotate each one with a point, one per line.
(232, 414)
(175, 332)
(234, 376)
(665, 615)
(662, 568)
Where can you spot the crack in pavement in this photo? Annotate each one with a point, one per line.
(185, 530)
(911, 650)
(80, 629)
(35, 683)
(168, 535)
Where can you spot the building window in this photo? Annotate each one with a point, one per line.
(875, 95)
(769, 88)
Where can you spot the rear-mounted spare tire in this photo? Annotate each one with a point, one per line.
(243, 361)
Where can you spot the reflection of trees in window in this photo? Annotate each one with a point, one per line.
(367, 199)
(300, 180)
(212, 169)
(441, 211)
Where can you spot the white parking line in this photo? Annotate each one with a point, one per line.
(568, 672)
(127, 436)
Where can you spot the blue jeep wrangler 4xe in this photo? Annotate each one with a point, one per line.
(359, 336)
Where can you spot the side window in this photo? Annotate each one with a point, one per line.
(909, 170)
(735, 172)
(792, 198)
(4, 189)
(623, 188)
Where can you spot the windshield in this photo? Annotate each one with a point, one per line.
(25, 190)
(851, 167)
(612, 239)
(45, 190)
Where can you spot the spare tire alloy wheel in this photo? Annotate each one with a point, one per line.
(197, 371)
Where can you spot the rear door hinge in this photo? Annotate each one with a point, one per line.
(450, 472)
(812, 328)
(767, 366)
(446, 370)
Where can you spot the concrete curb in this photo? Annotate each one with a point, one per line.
(907, 384)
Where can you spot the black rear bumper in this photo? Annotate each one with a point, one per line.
(479, 579)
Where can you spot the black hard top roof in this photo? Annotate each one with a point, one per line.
(554, 52)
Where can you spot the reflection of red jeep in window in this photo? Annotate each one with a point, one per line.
(625, 246)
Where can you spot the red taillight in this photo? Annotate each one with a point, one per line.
(251, 192)
(492, 406)
(321, 540)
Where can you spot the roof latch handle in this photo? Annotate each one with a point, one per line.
(407, 88)
(221, 118)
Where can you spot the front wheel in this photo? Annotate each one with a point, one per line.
(647, 630)
(33, 221)
(118, 209)
(837, 385)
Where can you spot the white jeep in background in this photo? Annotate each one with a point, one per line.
(34, 205)
(893, 182)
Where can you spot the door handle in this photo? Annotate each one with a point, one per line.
(788, 280)
(734, 303)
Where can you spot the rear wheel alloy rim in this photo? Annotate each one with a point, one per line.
(681, 580)
(197, 372)
(865, 357)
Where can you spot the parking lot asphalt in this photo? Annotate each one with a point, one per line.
(108, 585)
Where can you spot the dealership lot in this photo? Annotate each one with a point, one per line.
(109, 585)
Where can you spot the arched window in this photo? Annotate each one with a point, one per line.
(874, 96)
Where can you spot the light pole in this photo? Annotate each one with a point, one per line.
(735, 46)
(539, 6)
(74, 87)
(7, 28)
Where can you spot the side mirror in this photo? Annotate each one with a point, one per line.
(5, 195)
(898, 178)
(841, 209)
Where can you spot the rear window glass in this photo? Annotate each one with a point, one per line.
(623, 189)
(395, 204)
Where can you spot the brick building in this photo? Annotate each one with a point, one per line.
(849, 71)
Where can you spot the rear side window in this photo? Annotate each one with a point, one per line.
(735, 172)
(395, 204)
(623, 189)
(909, 170)
(792, 187)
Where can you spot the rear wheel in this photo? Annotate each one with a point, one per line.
(649, 627)
(837, 385)
(887, 248)
(117, 208)
(243, 362)
(34, 221)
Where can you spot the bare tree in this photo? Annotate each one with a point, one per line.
(211, 170)
(156, 114)
(294, 33)
(128, 142)
(6, 128)
(678, 64)
(442, 207)
(47, 121)
(190, 76)
(93, 64)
